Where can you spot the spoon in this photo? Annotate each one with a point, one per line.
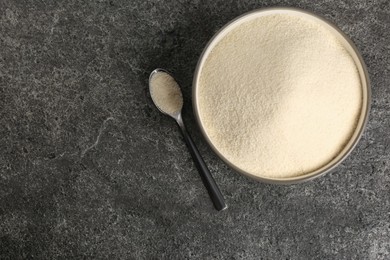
(167, 97)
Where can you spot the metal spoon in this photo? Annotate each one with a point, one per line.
(207, 178)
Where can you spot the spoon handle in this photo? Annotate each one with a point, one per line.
(208, 180)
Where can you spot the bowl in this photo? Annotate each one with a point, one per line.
(347, 44)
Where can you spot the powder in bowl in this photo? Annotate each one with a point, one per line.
(279, 96)
(166, 93)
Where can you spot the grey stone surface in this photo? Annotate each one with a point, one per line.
(90, 169)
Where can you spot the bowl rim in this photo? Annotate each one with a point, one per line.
(330, 165)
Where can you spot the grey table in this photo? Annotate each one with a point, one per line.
(90, 169)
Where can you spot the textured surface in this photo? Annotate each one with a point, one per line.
(90, 169)
(279, 96)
